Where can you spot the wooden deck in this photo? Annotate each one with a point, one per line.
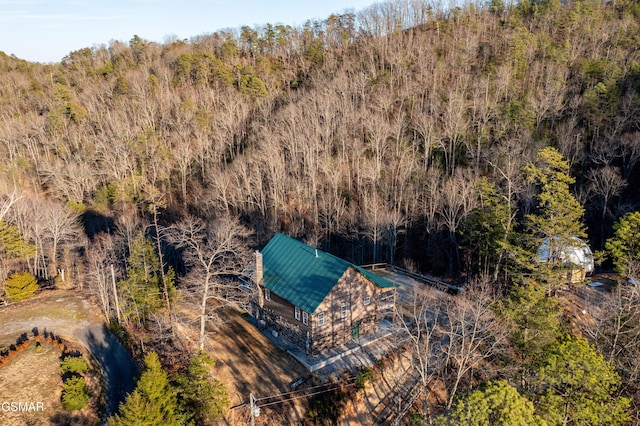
(424, 279)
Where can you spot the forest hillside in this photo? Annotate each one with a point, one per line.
(447, 140)
(365, 134)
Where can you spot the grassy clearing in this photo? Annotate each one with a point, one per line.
(31, 377)
(34, 376)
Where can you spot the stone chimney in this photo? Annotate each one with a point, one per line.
(257, 279)
(257, 272)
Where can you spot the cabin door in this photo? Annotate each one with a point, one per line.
(355, 331)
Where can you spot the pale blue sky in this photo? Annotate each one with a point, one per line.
(47, 30)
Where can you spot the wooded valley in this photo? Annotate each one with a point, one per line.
(449, 140)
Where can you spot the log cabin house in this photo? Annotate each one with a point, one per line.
(316, 300)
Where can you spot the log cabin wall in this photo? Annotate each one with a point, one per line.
(352, 291)
(279, 314)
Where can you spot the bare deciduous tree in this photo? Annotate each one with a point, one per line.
(570, 143)
(604, 184)
(630, 144)
(49, 225)
(373, 218)
(430, 199)
(61, 226)
(7, 201)
(616, 333)
(101, 274)
(214, 253)
(454, 123)
(457, 199)
(472, 334)
(72, 178)
(421, 319)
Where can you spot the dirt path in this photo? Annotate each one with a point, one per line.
(70, 315)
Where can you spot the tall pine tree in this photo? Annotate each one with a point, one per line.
(556, 221)
(624, 246)
(576, 385)
(534, 319)
(13, 250)
(144, 288)
(486, 232)
(204, 399)
(153, 402)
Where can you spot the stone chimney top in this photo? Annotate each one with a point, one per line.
(258, 270)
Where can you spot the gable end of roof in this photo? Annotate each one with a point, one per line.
(303, 275)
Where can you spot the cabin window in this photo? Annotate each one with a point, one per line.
(305, 318)
(343, 311)
(366, 301)
(321, 318)
(297, 313)
(267, 294)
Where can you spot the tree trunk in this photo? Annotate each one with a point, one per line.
(203, 312)
(165, 288)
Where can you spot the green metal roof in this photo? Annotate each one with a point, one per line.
(303, 275)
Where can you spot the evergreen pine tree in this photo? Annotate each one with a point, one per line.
(557, 219)
(153, 401)
(21, 285)
(143, 286)
(495, 403)
(624, 246)
(75, 395)
(487, 229)
(576, 385)
(12, 245)
(13, 248)
(534, 321)
(203, 398)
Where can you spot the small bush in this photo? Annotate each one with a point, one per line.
(74, 365)
(21, 285)
(22, 343)
(365, 375)
(75, 394)
(327, 407)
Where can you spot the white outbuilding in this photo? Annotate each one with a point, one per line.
(572, 251)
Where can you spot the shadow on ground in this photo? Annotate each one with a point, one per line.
(118, 367)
